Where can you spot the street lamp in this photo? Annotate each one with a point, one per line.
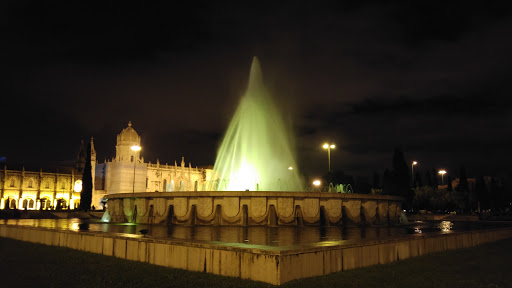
(135, 148)
(442, 172)
(329, 147)
(412, 168)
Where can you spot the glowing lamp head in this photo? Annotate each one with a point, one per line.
(317, 182)
(414, 162)
(328, 146)
(442, 172)
(290, 168)
(136, 148)
(78, 186)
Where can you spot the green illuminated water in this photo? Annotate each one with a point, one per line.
(256, 153)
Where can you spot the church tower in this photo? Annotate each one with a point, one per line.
(125, 141)
(127, 172)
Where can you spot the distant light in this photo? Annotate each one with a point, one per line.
(329, 146)
(136, 148)
(290, 168)
(442, 172)
(414, 162)
(78, 186)
(317, 182)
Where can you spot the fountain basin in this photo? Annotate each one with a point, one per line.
(253, 208)
(275, 265)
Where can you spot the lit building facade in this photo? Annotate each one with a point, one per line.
(29, 190)
(128, 173)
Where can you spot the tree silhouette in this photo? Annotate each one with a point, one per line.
(86, 195)
(397, 181)
(462, 190)
(428, 177)
(449, 184)
(418, 182)
(434, 179)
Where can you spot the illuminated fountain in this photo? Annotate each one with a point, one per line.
(256, 153)
(255, 182)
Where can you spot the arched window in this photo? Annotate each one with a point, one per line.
(47, 185)
(45, 203)
(172, 186)
(165, 185)
(62, 185)
(195, 186)
(31, 203)
(12, 182)
(29, 184)
(25, 204)
(13, 204)
(182, 185)
(131, 158)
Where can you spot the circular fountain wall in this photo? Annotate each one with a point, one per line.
(254, 208)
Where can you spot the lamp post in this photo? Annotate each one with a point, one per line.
(412, 168)
(442, 172)
(134, 148)
(329, 147)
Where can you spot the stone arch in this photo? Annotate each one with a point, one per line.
(61, 203)
(45, 203)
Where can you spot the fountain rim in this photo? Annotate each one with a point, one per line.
(280, 194)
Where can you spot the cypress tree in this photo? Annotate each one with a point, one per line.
(434, 179)
(400, 178)
(429, 179)
(86, 195)
(418, 182)
(463, 181)
(449, 185)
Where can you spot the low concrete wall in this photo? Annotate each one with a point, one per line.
(276, 266)
(254, 208)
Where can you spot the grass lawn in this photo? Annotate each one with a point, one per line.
(25, 264)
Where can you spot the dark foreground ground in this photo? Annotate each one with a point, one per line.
(25, 264)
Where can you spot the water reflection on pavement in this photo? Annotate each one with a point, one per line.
(281, 236)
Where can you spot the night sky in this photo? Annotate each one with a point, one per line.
(431, 78)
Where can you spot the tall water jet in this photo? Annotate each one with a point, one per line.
(256, 153)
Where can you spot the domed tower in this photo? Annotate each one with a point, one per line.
(125, 141)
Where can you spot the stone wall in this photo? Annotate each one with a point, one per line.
(251, 262)
(254, 208)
